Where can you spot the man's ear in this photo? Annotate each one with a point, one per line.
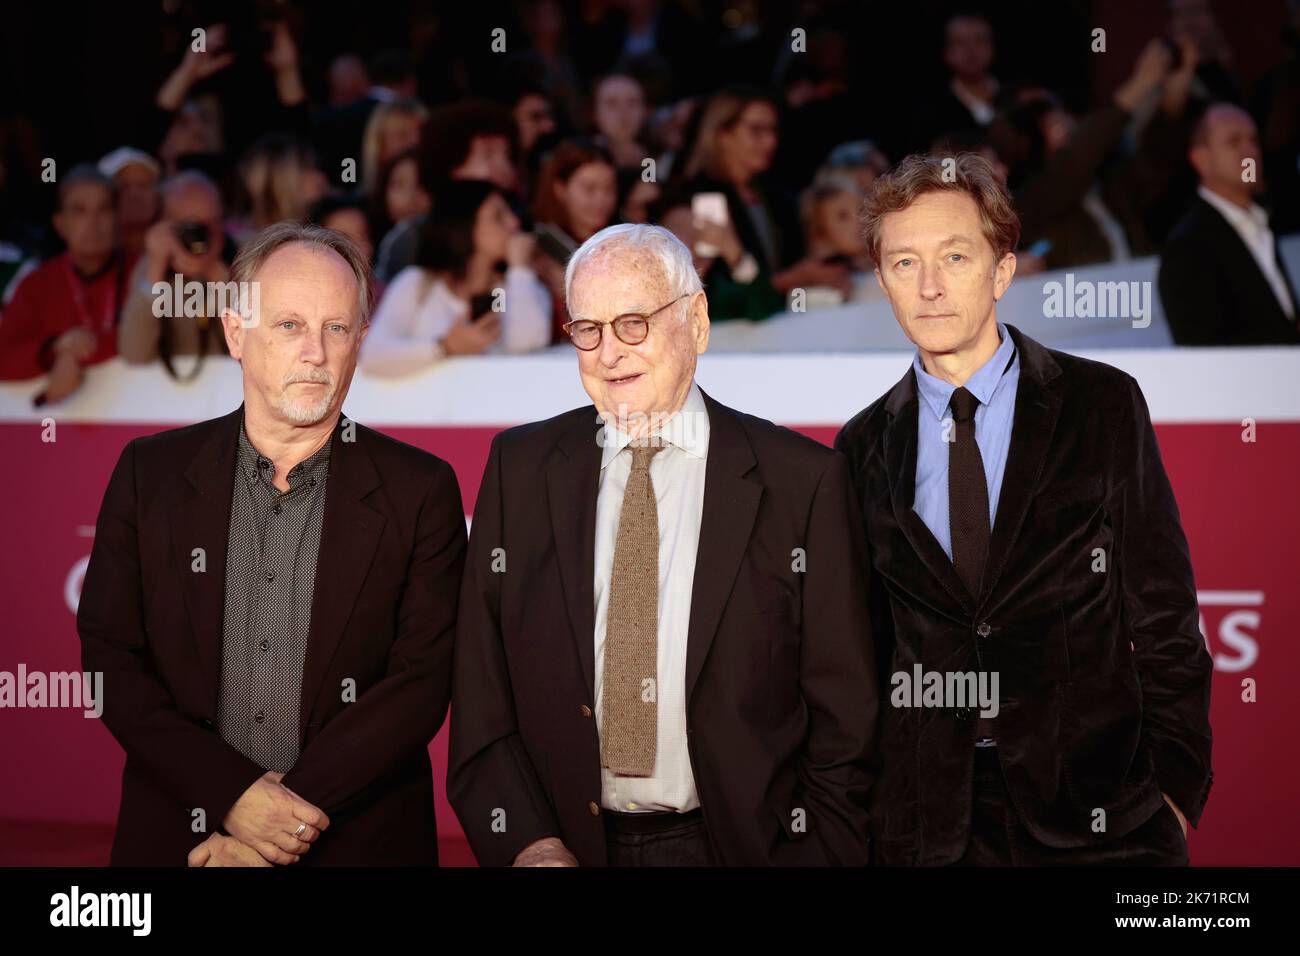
(880, 281)
(1002, 275)
(700, 316)
(232, 324)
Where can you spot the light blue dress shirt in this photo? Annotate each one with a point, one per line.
(995, 385)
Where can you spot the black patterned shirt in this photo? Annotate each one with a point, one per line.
(271, 558)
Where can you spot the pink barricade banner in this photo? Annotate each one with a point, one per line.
(1228, 424)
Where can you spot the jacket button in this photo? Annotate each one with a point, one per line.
(594, 810)
(586, 711)
(984, 630)
(961, 713)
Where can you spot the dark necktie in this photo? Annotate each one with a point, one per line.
(968, 495)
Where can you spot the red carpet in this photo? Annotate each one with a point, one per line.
(43, 843)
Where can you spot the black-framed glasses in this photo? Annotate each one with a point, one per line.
(631, 328)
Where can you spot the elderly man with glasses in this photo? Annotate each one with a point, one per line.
(663, 652)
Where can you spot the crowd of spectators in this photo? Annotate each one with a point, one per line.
(470, 183)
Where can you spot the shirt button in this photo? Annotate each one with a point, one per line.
(259, 716)
(984, 630)
(311, 482)
(586, 711)
(593, 809)
(276, 507)
(263, 644)
(270, 575)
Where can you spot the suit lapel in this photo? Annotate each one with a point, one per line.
(350, 535)
(900, 463)
(1246, 266)
(730, 507)
(572, 482)
(200, 519)
(1038, 404)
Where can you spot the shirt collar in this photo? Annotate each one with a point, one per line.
(1255, 217)
(688, 430)
(257, 467)
(983, 384)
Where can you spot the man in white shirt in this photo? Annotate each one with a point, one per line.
(1222, 281)
(664, 654)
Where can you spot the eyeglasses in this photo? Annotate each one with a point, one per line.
(631, 329)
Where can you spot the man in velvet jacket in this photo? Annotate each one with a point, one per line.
(271, 598)
(1029, 539)
(663, 654)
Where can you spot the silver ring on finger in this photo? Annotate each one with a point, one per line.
(302, 828)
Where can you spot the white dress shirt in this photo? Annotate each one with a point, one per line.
(417, 310)
(982, 111)
(677, 473)
(1252, 226)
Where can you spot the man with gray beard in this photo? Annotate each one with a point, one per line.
(272, 596)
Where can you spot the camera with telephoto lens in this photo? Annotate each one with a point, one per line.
(194, 237)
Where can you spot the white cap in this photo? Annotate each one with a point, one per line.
(124, 156)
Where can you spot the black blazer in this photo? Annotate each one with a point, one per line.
(1104, 676)
(383, 614)
(1212, 290)
(780, 688)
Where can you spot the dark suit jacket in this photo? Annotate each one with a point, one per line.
(780, 687)
(383, 615)
(1104, 676)
(1212, 290)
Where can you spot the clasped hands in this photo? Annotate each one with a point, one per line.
(268, 824)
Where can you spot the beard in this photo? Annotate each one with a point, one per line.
(307, 411)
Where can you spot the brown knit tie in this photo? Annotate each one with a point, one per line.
(630, 692)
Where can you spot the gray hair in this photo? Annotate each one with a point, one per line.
(189, 179)
(83, 173)
(254, 253)
(655, 241)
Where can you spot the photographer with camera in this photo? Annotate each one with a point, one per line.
(187, 245)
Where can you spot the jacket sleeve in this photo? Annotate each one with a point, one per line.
(1159, 596)
(400, 714)
(1189, 293)
(1071, 171)
(526, 324)
(397, 343)
(187, 759)
(24, 335)
(491, 781)
(837, 673)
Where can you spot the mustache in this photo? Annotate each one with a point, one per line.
(310, 375)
